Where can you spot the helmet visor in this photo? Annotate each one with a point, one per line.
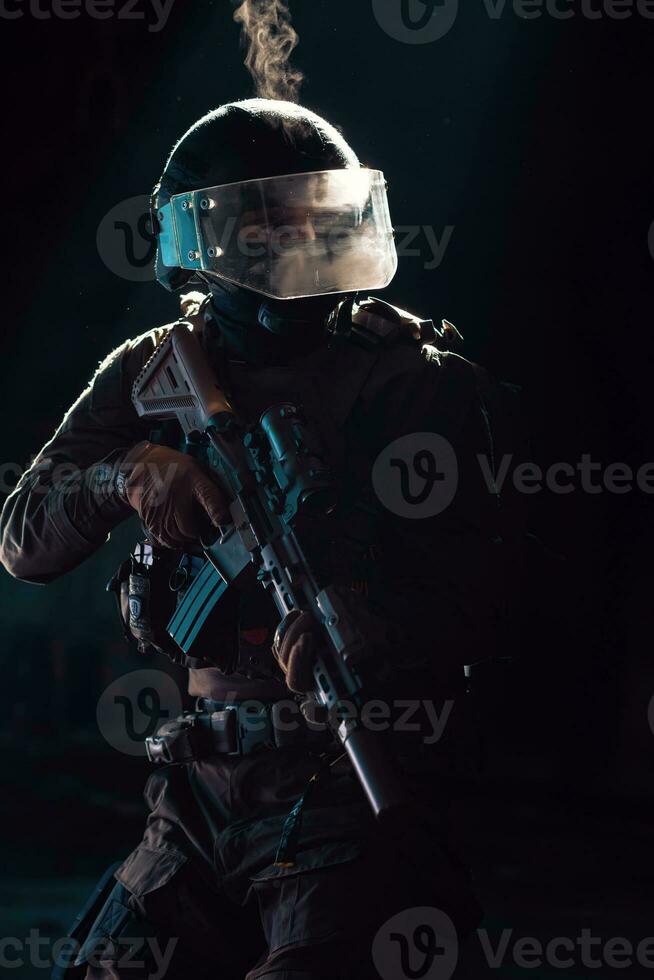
(286, 237)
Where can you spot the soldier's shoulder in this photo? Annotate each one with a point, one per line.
(417, 361)
(111, 384)
(382, 323)
(420, 375)
(134, 353)
(403, 341)
(140, 348)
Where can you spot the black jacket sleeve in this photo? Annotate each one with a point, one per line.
(65, 504)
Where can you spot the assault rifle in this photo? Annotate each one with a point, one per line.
(274, 477)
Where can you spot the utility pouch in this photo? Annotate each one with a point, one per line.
(144, 586)
(149, 587)
(66, 967)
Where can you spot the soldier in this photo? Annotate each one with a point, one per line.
(277, 318)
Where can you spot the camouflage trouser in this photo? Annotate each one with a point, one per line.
(202, 897)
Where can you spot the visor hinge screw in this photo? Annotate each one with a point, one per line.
(187, 205)
(214, 252)
(205, 204)
(193, 256)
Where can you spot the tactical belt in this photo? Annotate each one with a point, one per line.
(217, 728)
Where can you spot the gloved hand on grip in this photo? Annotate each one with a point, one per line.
(298, 635)
(176, 498)
(294, 648)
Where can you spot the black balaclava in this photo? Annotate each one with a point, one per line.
(248, 140)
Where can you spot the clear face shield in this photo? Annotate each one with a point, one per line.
(286, 237)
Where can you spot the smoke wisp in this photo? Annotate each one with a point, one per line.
(270, 38)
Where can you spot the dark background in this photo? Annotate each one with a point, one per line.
(534, 140)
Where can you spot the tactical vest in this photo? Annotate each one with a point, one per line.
(350, 548)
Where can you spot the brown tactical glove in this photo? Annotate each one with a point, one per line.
(294, 647)
(177, 499)
(298, 635)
